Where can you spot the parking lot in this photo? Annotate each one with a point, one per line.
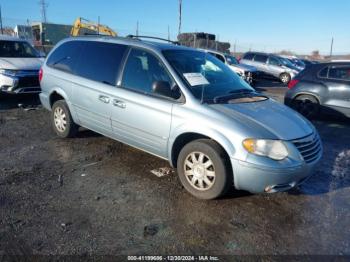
(93, 195)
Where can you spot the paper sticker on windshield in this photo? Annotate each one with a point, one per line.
(196, 79)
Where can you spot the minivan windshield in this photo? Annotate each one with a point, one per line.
(206, 76)
(17, 49)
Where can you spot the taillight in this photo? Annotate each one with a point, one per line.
(40, 74)
(292, 83)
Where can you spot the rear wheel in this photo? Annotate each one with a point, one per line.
(62, 121)
(203, 169)
(285, 78)
(306, 105)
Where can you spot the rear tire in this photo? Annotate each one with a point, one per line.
(306, 105)
(62, 121)
(204, 170)
(285, 78)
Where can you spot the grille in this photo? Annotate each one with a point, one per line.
(28, 81)
(309, 147)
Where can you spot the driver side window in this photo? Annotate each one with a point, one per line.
(274, 61)
(141, 70)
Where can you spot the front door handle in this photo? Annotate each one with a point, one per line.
(119, 103)
(104, 99)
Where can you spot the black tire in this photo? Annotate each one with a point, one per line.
(285, 78)
(307, 105)
(70, 128)
(213, 152)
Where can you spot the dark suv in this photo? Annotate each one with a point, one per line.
(321, 87)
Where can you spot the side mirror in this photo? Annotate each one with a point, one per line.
(163, 88)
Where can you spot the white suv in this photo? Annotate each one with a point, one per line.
(19, 66)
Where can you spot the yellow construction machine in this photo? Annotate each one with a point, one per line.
(83, 26)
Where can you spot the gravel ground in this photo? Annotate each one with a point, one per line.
(92, 195)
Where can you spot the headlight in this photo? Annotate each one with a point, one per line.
(8, 72)
(274, 149)
(240, 72)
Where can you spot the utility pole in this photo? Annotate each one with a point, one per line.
(2, 30)
(43, 6)
(180, 15)
(331, 53)
(98, 25)
(234, 47)
(168, 33)
(137, 28)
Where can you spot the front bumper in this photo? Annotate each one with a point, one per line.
(20, 84)
(258, 179)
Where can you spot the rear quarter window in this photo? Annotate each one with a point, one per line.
(65, 56)
(323, 73)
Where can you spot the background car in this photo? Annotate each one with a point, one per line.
(247, 72)
(323, 87)
(271, 65)
(19, 66)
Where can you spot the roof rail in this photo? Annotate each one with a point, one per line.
(153, 37)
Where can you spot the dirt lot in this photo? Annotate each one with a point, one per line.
(93, 195)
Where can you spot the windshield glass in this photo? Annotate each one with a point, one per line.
(17, 49)
(206, 76)
(286, 62)
(231, 60)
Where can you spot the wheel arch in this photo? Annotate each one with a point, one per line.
(309, 94)
(184, 138)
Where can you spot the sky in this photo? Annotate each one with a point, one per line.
(300, 26)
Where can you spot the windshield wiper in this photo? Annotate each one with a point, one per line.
(234, 94)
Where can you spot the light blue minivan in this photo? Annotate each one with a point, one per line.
(183, 105)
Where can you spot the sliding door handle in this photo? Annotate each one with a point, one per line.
(119, 103)
(104, 99)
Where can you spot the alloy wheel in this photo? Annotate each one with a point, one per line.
(60, 119)
(199, 171)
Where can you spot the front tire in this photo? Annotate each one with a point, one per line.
(285, 78)
(62, 121)
(204, 170)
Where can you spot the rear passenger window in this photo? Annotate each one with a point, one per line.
(248, 56)
(323, 72)
(65, 56)
(339, 72)
(100, 61)
(260, 58)
(141, 70)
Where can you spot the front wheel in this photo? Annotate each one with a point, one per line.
(203, 169)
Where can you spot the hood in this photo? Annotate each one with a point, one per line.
(292, 68)
(30, 63)
(246, 67)
(267, 117)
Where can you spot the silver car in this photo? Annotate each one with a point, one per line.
(182, 105)
(271, 65)
(19, 66)
(246, 72)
